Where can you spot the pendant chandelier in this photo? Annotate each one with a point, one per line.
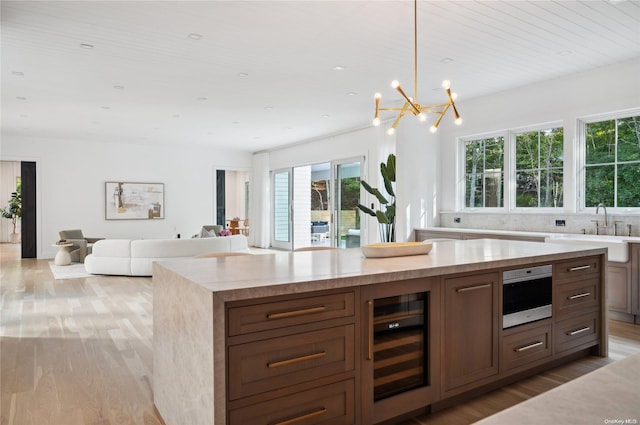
(411, 104)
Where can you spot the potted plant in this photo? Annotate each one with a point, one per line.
(13, 212)
(387, 217)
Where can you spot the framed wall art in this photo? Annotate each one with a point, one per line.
(134, 201)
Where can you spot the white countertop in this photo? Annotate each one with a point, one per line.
(631, 239)
(252, 276)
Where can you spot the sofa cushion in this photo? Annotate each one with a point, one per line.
(170, 248)
(136, 258)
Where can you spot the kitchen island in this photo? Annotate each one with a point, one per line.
(289, 337)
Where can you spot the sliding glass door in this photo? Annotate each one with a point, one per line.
(347, 176)
(316, 205)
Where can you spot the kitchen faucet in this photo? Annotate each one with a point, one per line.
(606, 219)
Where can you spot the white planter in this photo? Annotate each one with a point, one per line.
(15, 238)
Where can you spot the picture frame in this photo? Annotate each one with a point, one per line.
(134, 201)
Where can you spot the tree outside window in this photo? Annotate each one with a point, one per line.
(484, 173)
(539, 162)
(612, 163)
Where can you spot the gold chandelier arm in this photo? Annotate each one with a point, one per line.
(413, 105)
(456, 115)
(437, 123)
(403, 111)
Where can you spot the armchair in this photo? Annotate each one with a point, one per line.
(81, 245)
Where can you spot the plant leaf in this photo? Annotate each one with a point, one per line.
(388, 186)
(391, 167)
(367, 210)
(374, 191)
(382, 218)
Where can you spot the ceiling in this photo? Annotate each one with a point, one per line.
(254, 75)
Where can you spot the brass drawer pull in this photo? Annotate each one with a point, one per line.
(473, 288)
(297, 359)
(579, 331)
(370, 330)
(294, 313)
(574, 269)
(319, 412)
(574, 297)
(528, 347)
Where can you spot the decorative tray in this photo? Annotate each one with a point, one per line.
(396, 249)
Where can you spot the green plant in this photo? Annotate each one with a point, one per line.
(13, 211)
(387, 217)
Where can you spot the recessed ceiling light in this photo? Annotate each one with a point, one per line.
(338, 68)
(235, 122)
(156, 128)
(21, 98)
(118, 87)
(326, 116)
(565, 52)
(18, 73)
(268, 108)
(352, 93)
(86, 46)
(446, 60)
(194, 36)
(242, 74)
(105, 107)
(201, 98)
(24, 116)
(256, 138)
(176, 115)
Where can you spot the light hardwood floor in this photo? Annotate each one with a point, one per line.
(80, 352)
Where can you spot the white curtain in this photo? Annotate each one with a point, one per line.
(260, 211)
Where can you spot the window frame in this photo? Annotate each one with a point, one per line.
(462, 187)
(509, 193)
(512, 169)
(581, 157)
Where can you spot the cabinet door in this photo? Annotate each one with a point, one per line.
(470, 329)
(400, 348)
(619, 286)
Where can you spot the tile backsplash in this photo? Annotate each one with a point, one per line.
(573, 223)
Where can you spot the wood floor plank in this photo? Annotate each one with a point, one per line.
(80, 352)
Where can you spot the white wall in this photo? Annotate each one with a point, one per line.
(71, 193)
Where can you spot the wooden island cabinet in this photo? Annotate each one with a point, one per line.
(332, 337)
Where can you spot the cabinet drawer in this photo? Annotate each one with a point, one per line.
(279, 314)
(266, 365)
(576, 268)
(576, 296)
(576, 331)
(525, 347)
(329, 405)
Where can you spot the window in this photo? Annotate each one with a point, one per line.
(612, 162)
(538, 164)
(484, 172)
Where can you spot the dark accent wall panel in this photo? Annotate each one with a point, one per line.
(220, 188)
(28, 227)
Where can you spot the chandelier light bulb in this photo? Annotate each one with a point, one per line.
(422, 116)
(433, 129)
(446, 84)
(391, 131)
(395, 84)
(454, 96)
(377, 96)
(458, 121)
(376, 122)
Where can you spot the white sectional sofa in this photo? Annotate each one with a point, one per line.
(135, 257)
